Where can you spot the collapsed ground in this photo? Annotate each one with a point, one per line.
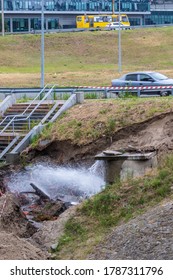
(80, 134)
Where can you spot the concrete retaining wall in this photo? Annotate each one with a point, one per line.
(6, 103)
(125, 168)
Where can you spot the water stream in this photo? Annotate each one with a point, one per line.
(65, 183)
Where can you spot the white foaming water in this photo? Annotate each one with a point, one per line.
(98, 168)
(78, 182)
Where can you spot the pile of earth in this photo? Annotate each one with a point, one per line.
(20, 239)
(22, 230)
(15, 232)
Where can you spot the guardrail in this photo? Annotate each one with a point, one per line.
(130, 89)
(106, 90)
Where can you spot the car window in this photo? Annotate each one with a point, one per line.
(159, 76)
(145, 78)
(131, 77)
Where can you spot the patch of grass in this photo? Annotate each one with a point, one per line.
(23, 99)
(62, 96)
(34, 123)
(104, 111)
(64, 114)
(77, 133)
(100, 205)
(127, 94)
(106, 117)
(83, 58)
(34, 140)
(45, 134)
(91, 95)
(111, 124)
(73, 230)
(117, 203)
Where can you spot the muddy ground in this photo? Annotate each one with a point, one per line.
(18, 238)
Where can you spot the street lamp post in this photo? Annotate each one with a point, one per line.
(119, 40)
(2, 17)
(42, 44)
(113, 9)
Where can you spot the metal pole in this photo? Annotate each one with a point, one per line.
(119, 41)
(42, 44)
(113, 9)
(2, 17)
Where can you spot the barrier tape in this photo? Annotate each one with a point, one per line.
(126, 87)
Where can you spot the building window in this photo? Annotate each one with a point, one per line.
(20, 24)
(53, 23)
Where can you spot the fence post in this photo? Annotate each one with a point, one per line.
(79, 97)
(105, 95)
(139, 92)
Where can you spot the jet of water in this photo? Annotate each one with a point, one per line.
(58, 181)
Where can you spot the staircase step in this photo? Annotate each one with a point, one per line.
(21, 126)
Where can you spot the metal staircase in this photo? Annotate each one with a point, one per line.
(20, 118)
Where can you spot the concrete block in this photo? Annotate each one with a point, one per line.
(12, 158)
(79, 97)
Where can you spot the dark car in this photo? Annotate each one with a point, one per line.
(145, 79)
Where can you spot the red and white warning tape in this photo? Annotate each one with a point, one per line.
(126, 87)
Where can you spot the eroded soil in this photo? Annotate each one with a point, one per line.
(19, 240)
(153, 134)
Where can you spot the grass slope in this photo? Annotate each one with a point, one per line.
(83, 58)
(119, 202)
(93, 119)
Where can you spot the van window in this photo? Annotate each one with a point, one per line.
(79, 18)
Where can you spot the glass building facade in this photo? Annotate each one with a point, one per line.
(76, 5)
(25, 15)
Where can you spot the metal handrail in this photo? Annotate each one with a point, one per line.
(27, 116)
(9, 146)
(37, 96)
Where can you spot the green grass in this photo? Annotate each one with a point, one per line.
(84, 58)
(117, 203)
(98, 118)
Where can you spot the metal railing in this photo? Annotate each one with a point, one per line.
(36, 97)
(10, 145)
(73, 89)
(24, 116)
